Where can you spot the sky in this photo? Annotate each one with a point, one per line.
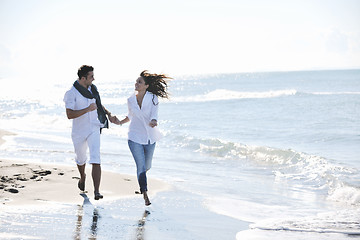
(48, 40)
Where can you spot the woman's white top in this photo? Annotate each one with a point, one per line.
(139, 129)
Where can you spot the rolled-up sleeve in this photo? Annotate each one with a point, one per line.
(130, 112)
(69, 100)
(154, 109)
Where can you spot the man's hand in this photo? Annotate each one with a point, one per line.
(114, 119)
(92, 107)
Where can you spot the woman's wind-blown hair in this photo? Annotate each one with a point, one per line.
(158, 83)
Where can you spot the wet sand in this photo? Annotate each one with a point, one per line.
(24, 183)
(42, 201)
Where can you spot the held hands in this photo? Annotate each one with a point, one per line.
(112, 118)
(153, 123)
(115, 120)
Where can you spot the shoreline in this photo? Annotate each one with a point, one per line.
(48, 198)
(26, 183)
(4, 133)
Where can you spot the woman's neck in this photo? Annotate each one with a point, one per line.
(141, 94)
(140, 97)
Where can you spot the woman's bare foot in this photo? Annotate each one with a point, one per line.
(146, 198)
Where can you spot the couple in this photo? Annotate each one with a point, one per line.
(83, 99)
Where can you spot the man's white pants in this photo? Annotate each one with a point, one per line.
(82, 143)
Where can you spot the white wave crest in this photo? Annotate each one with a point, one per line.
(336, 93)
(311, 170)
(345, 194)
(224, 94)
(342, 222)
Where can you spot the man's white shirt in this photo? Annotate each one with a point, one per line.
(87, 122)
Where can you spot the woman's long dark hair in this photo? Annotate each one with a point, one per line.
(157, 83)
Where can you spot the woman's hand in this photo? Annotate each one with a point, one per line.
(153, 123)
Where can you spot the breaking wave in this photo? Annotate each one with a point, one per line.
(317, 172)
(329, 222)
(224, 94)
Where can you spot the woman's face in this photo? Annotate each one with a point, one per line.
(140, 85)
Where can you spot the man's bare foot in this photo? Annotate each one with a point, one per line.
(81, 184)
(98, 196)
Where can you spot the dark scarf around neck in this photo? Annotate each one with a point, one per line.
(94, 94)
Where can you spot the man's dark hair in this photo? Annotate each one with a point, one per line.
(84, 70)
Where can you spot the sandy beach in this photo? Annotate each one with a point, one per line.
(42, 201)
(26, 183)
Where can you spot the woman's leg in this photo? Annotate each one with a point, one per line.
(137, 150)
(149, 152)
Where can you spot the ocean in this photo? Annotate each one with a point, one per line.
(266, 155)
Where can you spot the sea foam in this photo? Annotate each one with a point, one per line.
(316, 172)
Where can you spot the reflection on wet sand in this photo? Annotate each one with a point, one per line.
(79, 222)
(77, 235)
(92, 232)
(94, 224)
(141, 226)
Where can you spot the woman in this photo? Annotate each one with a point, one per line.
(143, 114)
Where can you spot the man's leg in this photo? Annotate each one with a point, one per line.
(80, 148)
(96, 175)
(94, 148)
(81, 169)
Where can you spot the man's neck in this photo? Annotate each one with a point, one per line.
(82, 83)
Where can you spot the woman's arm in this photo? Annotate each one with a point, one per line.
(154, 112)
(125, 120)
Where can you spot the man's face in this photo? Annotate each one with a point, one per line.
(89, 78)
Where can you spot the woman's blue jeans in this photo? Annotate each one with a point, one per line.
(143, 155)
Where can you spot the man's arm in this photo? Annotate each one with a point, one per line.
(112, 118)
(71, 114)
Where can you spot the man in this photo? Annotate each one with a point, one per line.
(81, 101)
